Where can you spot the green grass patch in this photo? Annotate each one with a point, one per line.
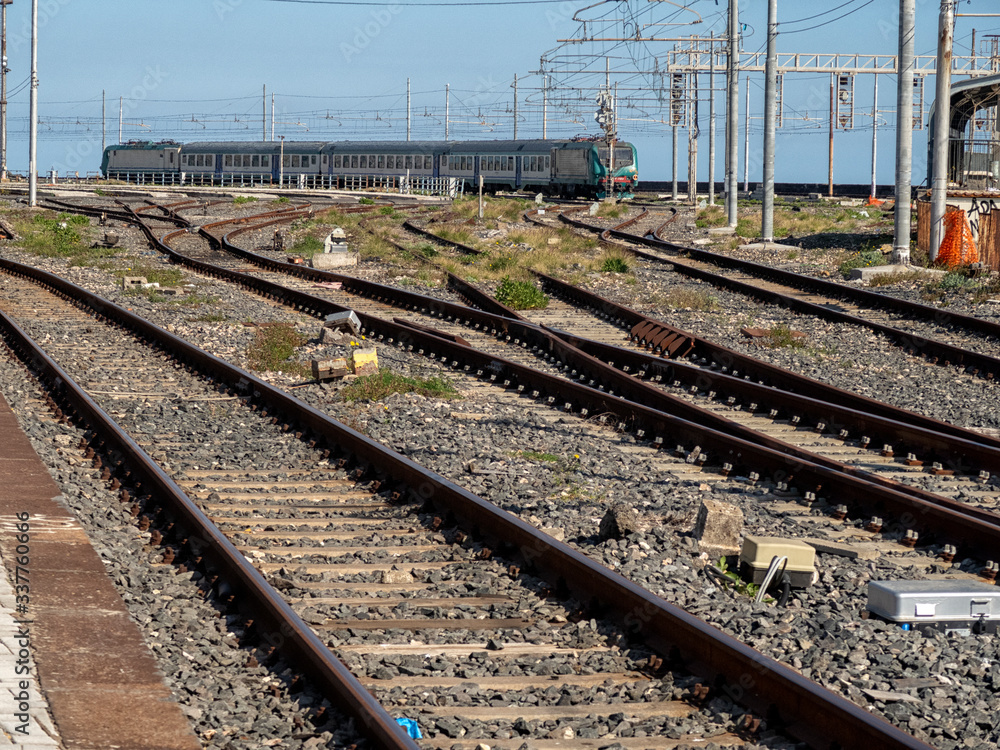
(520, 295)
(366, 201)
(56, 236)
(539, 456)
(690, 299)
(272, 347)
(212, 317)
(862, 259)
(308, 246)
(280, 200)
(614, 265)
(781, 337)
(888, 279)
(712, 216)
(239, 200)
(384, 383)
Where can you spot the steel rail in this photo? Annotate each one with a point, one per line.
(273, 620)
(933, 350)
(792, 703)
(936, 517)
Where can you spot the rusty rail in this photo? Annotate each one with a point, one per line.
(802, 708)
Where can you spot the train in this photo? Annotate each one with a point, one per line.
(560, 167)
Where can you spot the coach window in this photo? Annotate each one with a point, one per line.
(265, 160)
(547, 161)
(171, 157)
(363, 161)
(408, 162)
(324, 160)
(313, 160)
(229, 160)
(255, 161)
(336, 161)
(354, 161)
(286, 161)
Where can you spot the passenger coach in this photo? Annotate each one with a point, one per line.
(575, 167)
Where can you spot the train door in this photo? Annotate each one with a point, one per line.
(218, 166)
(475, 172)
(517, 172)
(437, 163)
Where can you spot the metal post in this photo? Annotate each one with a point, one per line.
(693, 133)
(711, 124)
(833, 115)
(3, 88)
(272, 116)
(904, 132)
(121, 117)
(104, 124)
(770, 117)
(732, 113)
(33, 114)
(515, 106)
(480, 197)
(942, 123)
(673, 169)
(447, 104)
(407, 109)
(874, 138)
(545, 108)
(746, 141)
(281, 162)
(263, 115)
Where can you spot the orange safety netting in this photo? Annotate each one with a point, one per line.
(957, 248)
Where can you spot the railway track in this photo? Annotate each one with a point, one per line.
(934, 334)
(298, 509)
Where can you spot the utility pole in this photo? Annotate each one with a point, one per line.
(3, 88)
(693, 142)
(407, 109)
(447, 104)
(904, 133)
(942, 123)
(33, 113)
(711, 124)
(121, 117)
(272, 117)
(874, 137)
(746, 141)
(673, 169)
(770, 116)
(515, 106)
(263, 115)
(833, 114)
(104, 123)
(732, 113)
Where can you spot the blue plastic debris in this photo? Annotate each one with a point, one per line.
(411, 727)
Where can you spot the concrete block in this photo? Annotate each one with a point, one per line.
(133, 282)
(719, 528)
(619, 521)
(866, 274)
(328, 369)
(364, 361)
(348, 319)
(326, 261)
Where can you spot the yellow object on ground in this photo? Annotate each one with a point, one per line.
(364, 361)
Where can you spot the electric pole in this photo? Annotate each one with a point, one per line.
(693, 132)
(746, 140)
(447, 104)
(942, 122)
(770, 115)
(874, 137)
(263, 115)
(904, 133)
(711, 124)
(104, 122)
(33, 111)
(3, 88)
(673, 162)
(407, 109)
(545, 108)
(833, 116)
(732, 113)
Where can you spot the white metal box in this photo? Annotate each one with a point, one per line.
(953, 607)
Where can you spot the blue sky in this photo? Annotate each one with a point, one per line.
(194, 70)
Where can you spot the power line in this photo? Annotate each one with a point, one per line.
(832, 20)
(414, 5)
